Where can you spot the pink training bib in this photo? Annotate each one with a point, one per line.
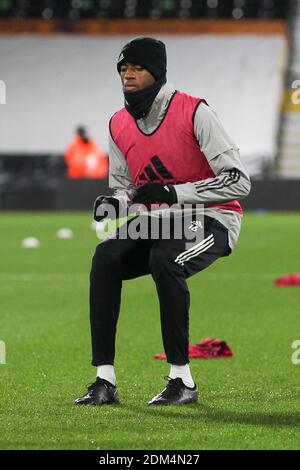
(171, 154)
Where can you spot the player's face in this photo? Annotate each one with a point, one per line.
(134, 77)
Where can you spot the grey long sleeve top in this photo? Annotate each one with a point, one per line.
(231, 180)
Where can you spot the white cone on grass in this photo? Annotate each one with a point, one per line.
(64, 233)
(30, 242)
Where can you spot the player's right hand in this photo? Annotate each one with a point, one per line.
(106, 206)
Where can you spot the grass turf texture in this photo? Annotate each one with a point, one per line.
(250, 401)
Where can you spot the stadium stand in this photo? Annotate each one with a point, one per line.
(155, 9)
(289, 136)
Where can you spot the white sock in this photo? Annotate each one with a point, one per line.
(184, 373)
(107, 372)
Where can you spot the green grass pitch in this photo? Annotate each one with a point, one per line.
(250, 401)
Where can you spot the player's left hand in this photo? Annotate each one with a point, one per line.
(155, 192)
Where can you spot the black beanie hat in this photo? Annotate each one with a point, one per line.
(148, 52)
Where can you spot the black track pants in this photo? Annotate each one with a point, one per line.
(170, 263)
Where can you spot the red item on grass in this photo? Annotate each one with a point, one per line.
(208, 348)
(289, 280)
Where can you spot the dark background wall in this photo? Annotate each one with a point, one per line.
(34, 183)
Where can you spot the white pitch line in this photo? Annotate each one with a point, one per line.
(28, 277)
(242, 277)
(42, 277)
